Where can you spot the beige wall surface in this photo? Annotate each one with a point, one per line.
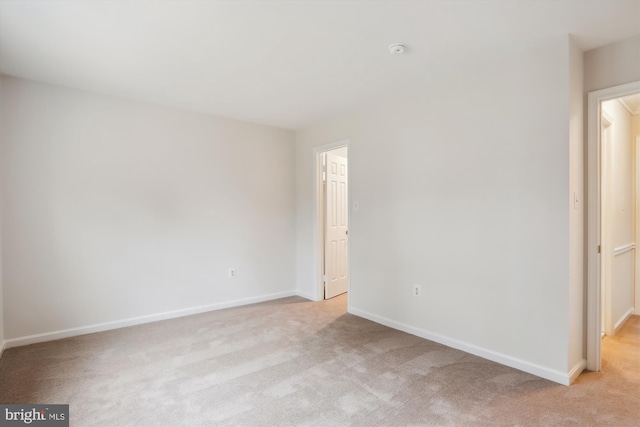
(478, 214)
(577, 330)
(612, 65)
(114, 209)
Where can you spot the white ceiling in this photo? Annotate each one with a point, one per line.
(283, 63)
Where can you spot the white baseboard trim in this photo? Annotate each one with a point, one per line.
(3, 345)
(623, 319)
(577, 370)
(513, 362)
(305, 295)
(116, 324)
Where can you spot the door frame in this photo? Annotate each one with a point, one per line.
(605, 271)
(594, 216)
(636, 284)
(318, 216)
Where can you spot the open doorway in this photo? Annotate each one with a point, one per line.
(618, 134)
(613, 173)
(332, 219)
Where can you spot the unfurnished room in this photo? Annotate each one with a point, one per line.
(319, 213)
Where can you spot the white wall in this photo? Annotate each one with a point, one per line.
(114, 209)
(577, 330)
(477, 213)
(619, 215)
(612, 65)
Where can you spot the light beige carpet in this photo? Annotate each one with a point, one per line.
(295, 362)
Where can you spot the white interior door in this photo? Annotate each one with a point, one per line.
(336, 232)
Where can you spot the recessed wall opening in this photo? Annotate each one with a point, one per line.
(332, 220)
(614, 182)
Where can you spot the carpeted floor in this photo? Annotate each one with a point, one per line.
(295, 362)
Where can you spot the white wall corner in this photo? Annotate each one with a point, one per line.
(621, 321)
(306, 295)
(577, 370)
(503, 359)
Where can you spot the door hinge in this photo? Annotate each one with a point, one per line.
(324, 278)
(598, 248)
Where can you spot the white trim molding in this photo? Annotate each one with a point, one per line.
(623, 249)
(622, 320)
(577, 370)
(117, 324)
(629, 108)
(564, 378)
(607, 120)
(3, 345)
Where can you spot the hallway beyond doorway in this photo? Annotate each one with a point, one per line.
(621, 352)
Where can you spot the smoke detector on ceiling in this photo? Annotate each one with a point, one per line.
(397, 48)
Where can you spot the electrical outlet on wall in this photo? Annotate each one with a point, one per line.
(417, 290)
(232, 273)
